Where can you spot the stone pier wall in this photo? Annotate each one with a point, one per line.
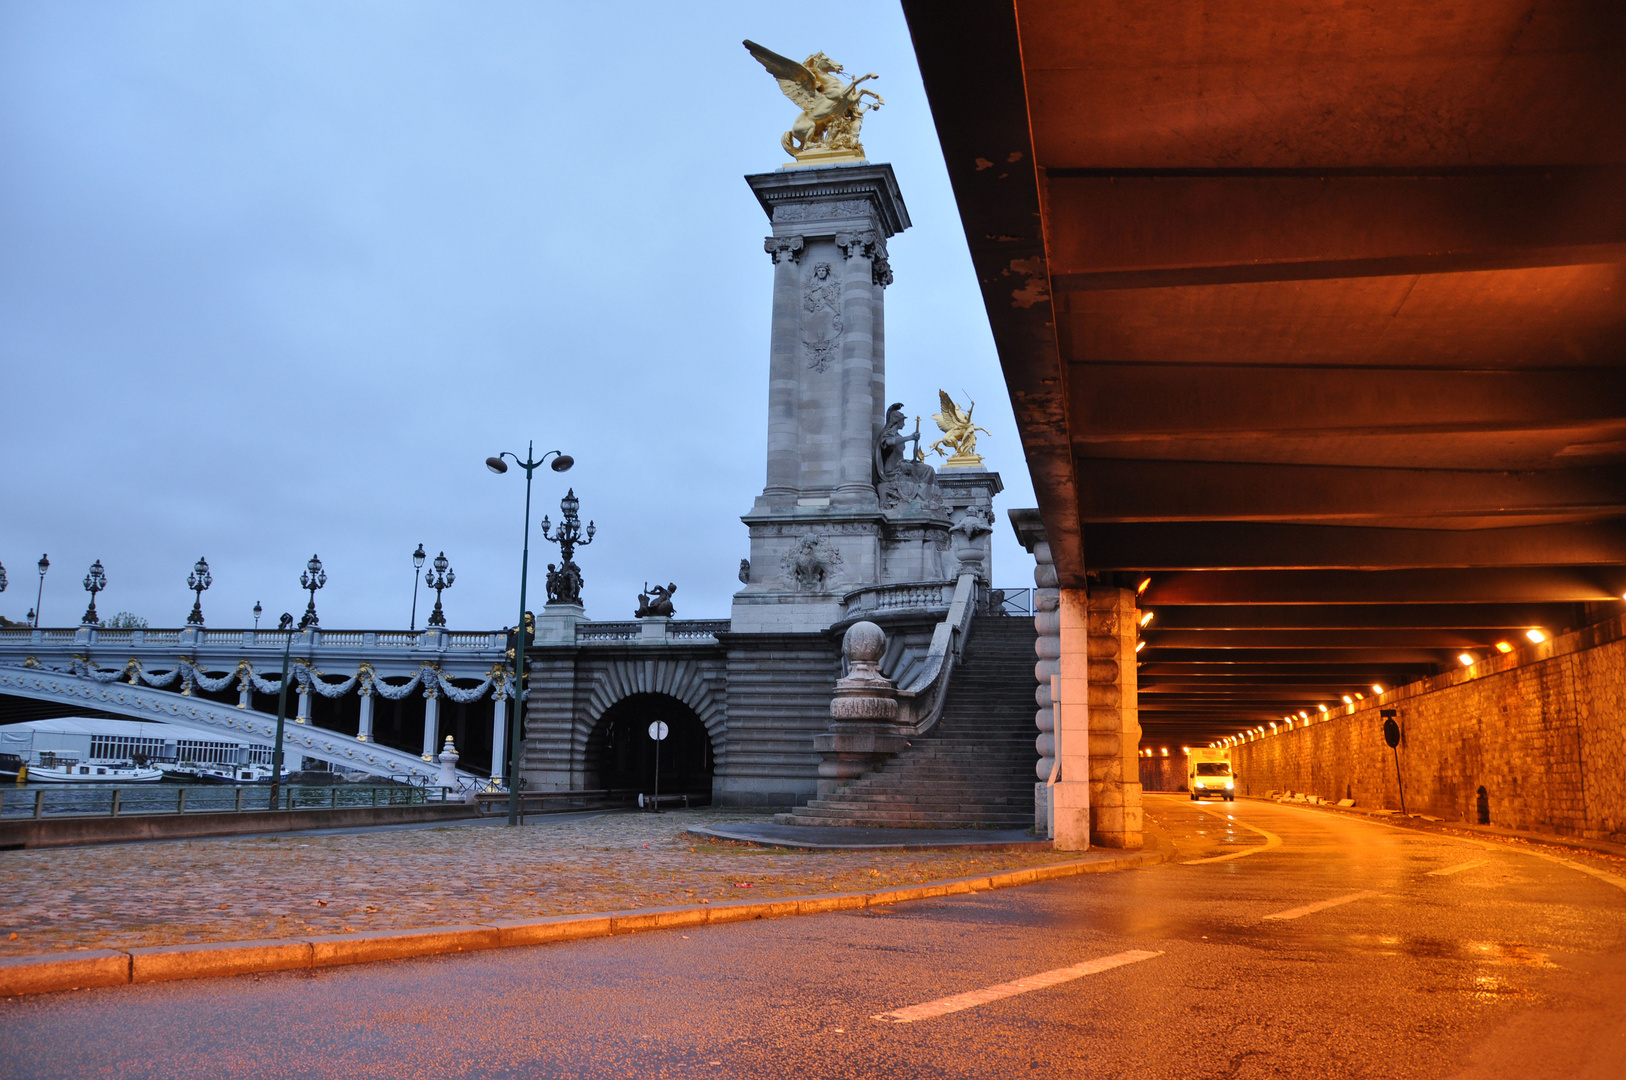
(1543, 730)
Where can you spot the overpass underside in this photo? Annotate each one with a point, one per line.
(1313, 318)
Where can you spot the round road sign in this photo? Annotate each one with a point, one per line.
(657, 730)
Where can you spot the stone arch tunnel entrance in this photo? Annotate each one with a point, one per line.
(621, 756)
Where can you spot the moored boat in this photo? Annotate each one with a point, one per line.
(92, 772)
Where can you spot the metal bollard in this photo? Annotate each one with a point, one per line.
(239, 800)
(116, 796)
(333, 797)
(39, 803)
(180, 800)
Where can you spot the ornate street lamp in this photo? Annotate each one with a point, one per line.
(258, 611)
(45, 564)
(439, 577)
(417, 568)
(565, 583)
(198, 580)
(287, 624)
(561, 462)
(312, 579)
(2, 578)
(95, 582)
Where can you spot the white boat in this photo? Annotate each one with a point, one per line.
(93, 772)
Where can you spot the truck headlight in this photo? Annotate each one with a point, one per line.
(1229, 785)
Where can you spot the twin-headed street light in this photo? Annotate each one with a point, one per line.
(560, 463)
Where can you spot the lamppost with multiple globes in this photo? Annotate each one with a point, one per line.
(560, 463)
(198, 580)
(2, 578)
(95, 582)
(417, 568)
(312, 579)
(565, 584)
(45, 564)
(440, 577)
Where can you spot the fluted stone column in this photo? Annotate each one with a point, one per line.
(431, 720)
(364, 727)
(499, 734)
(858, 305)
(783, 453)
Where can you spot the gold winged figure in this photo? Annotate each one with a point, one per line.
(832, 109)
(959, 434)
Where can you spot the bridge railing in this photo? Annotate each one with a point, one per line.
(634, 631)
(128, 800)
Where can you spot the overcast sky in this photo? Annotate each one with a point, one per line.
(276, 278)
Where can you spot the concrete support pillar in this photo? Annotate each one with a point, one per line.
(784, 461)
(1114, 722)
(1072, 795)
(364, 730)
(431, 721)
(499, 736)
(1047, 621)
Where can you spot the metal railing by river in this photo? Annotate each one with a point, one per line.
(105, 800)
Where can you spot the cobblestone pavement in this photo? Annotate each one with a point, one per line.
(241, 888)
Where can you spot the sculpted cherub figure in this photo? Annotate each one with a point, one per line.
(832, 110)
(959, 433)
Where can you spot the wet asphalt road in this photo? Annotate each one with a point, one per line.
(1509, 965)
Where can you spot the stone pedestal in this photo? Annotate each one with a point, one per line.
(863, 713)
(969, 494)
(448, 766)
(556, 624)
(1114, 720)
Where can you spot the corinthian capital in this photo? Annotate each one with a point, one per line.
(783, 247)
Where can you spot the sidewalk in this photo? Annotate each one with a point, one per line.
(226, 889)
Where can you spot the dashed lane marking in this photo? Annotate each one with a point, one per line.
(1459, 868)
(1271, 841)
(1321, 905)
(1040, 981)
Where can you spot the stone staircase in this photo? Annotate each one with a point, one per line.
(974, 769)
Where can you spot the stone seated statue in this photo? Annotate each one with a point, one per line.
(656, 602)
(904, 480)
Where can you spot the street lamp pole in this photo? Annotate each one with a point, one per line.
(417, 568)
(45, 564)
(287, 627)
(561, 462)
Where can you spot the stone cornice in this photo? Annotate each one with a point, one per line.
(875, 183)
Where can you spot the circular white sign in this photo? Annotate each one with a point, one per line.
(657, 730)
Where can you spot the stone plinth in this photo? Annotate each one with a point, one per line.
(969, 494)
(863, 713)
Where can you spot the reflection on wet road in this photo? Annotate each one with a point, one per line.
(1346, 948)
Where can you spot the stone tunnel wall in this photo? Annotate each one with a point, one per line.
(1543, 730)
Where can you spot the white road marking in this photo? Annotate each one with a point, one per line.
(1609, 879)
(1010, 989)
(1459, 868)
(1271, 841)
(1322, 905)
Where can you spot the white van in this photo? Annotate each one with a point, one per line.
(1208, 772)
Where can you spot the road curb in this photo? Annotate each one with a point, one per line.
(83, 969)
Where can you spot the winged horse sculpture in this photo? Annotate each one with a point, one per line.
(959, 433)
(832, 109)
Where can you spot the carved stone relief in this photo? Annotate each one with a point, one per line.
(820, 211)
(811, 566)
(821, 317)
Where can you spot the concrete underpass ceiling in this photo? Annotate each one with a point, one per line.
(1313, 315)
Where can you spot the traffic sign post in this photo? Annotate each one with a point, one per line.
(1391, 735)
(658, 731)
